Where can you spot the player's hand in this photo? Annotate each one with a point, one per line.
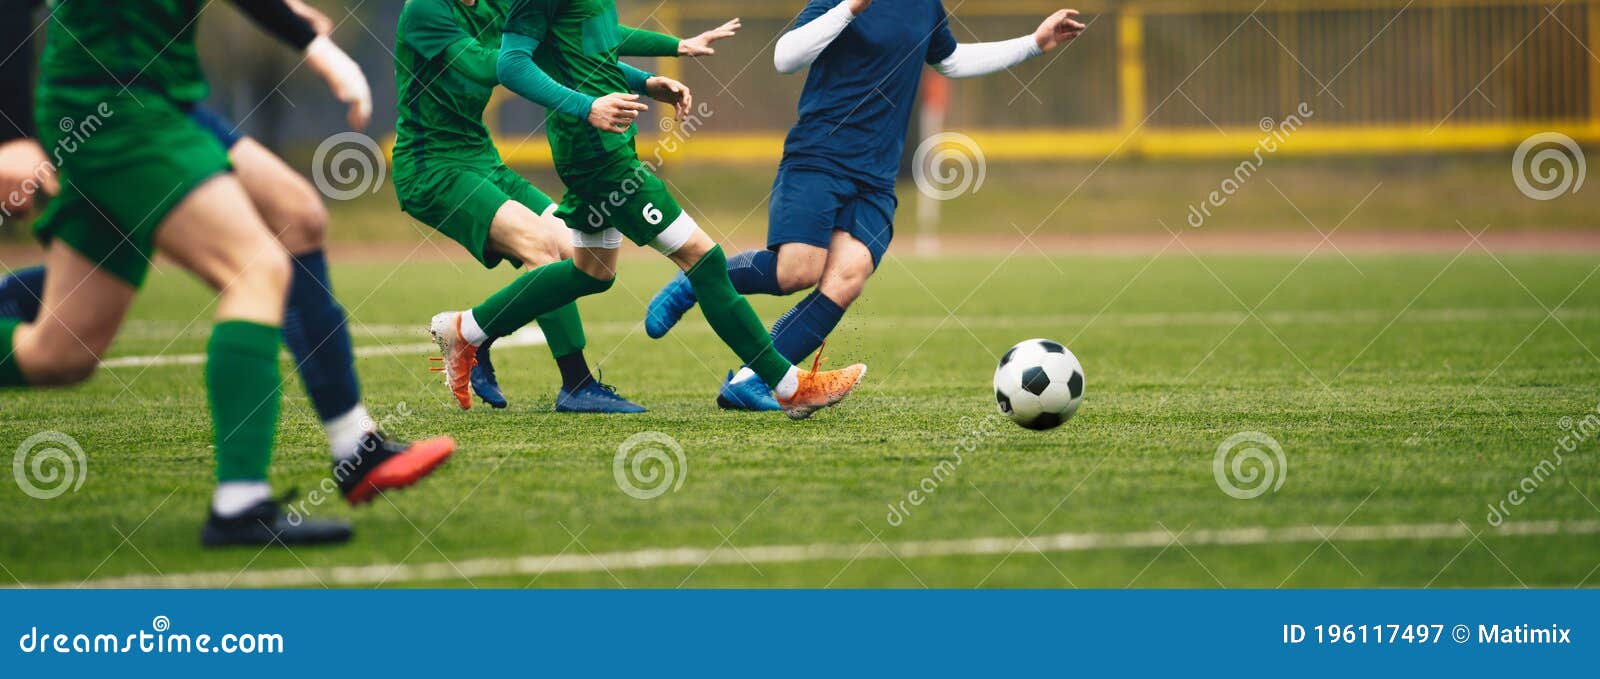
(319, 21)
(858, 6)
(1058, 29)
(700, 45)
(23, 165)
(344, 78)
(669, 91)
(616, 112)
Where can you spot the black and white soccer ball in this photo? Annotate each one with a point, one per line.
(1039, 384)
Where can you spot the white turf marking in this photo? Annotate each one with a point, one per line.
(526, 337)
(692, 557)
(530, 336)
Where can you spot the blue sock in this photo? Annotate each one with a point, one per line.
(20, 293)
(314, 328)
(799, 333)
(755, 272)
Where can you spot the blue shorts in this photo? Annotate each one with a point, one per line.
(215, 125)
(809, 205)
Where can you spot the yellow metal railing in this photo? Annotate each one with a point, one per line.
(1192, 78)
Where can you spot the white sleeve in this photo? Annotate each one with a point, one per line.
(801, 46)
(975, 59)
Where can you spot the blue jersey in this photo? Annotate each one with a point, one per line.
(859, 95)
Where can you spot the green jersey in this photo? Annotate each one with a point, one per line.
(147, 46)
(444, 61)
(578, 47)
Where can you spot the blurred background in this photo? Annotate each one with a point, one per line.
(1400, 105)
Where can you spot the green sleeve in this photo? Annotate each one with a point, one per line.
(637, 42)
(636, 77)
(474, 61)
(520, 75)
(429, 26)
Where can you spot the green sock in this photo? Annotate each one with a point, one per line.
(534, 294)
(563, 331)
(10, 372)
(734, 321)
(242, 383)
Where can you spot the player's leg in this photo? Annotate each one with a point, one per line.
(216, 234)
(596, 256)
(553, 282)
(365, 460)
(580, 392)
(801, 214)
(83, 307)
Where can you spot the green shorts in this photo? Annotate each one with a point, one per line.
(619, 193)
(460, 200)
(125, 163)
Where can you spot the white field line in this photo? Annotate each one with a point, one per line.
(526, 337)
(690, 557)
(531, 336)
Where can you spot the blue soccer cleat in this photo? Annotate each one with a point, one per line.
(752, 395)
(484, 383)
(594, 397)
(669, 306)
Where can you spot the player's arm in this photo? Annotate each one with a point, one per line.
(637, 42)
(519, 73)
(343, 76)
(430, 28)
(817, 27)
(975, 59)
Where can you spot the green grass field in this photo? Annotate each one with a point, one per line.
(1406, 390)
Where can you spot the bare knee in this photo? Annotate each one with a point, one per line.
(261, 275)
(536, 251)
(304, 228)
(57, 362)
(799, 273)
(844, 284)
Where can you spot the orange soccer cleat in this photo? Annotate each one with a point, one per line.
(820, 390)
(459, 356)
(383, 465)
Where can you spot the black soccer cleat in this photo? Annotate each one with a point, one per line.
(265, 524)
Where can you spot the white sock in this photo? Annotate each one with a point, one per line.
(470, 330)
(346, 432)
(789, 385)
(744, 374)
(233, 497)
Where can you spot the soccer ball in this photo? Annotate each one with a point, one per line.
(1039, 384)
